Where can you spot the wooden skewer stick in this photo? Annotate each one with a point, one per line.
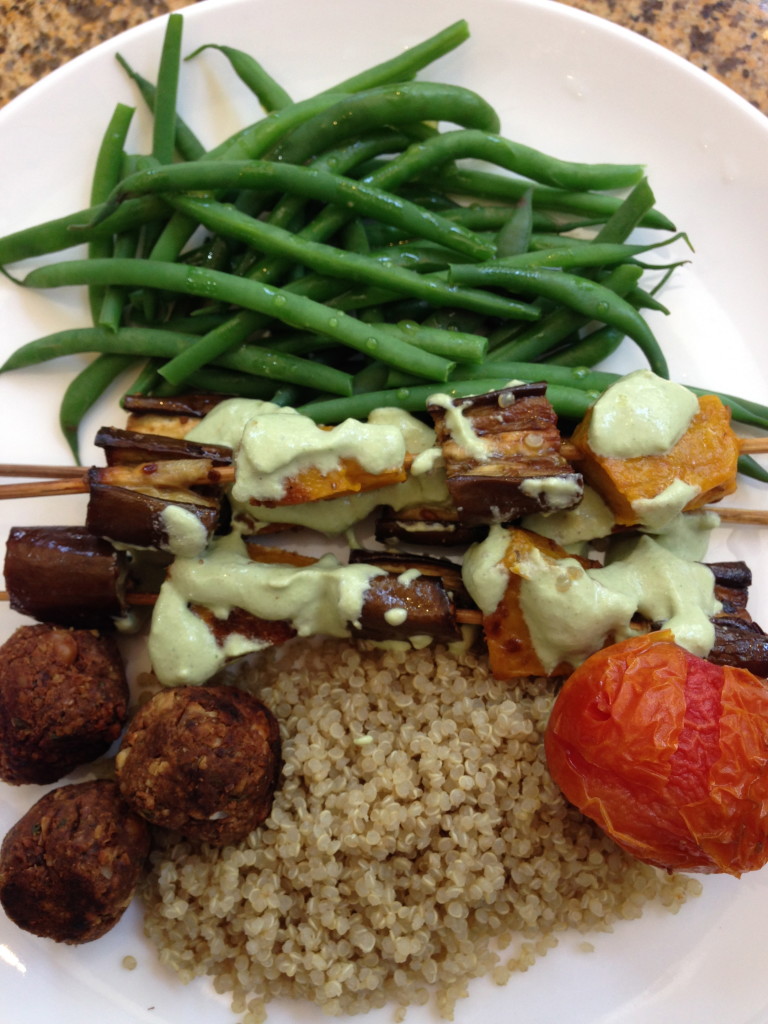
(44, 488)
(48, 488)
(44, 472)
(742, 516)
(121, 476)
(747, 446)
(753, 445)
(467, 616)
(54, 480)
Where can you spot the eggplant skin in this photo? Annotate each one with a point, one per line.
(741, 644)
(64, 575)
(482, 498)
(132, 447)
(428, 609)
(521, 446)
(132, 517)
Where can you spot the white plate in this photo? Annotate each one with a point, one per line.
(570, 84)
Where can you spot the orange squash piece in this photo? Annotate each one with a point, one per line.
(510, 649)
(706, 457)
(348, 477)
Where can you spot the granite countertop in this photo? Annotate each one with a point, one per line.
(727, 38)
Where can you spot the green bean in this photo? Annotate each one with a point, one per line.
(278, 302)
(590, 350)
(408, 63)
(404, 104)
(230, 382)
(146, 380)
(484, 185)
(752, 468)
(514, 156)
(458, 346)
(289, 210)
(392, 175)
(235, 330)
(310, 182)
(631, 212)
(454, 345)
(328, 260)
(329, 221)
(568, 402)
(187, 144)
(337, 120)
(557, 326)
(109, 160)
(493, 218)
(106, 174)
(758, 410)
(580, 377)
(535, 342)
(253, 141)
(514, 236)
(86, 388)
(286, 396)
(249, 144)
(301, 343)
(164, 122)
(145, 341)
(263, 169)
(371, 378)
(114, 299)
(423, 257)
(589, 298)
(256, 139)
(641, 299)
(562, 384)
(572, 255)
(355, 238)
(74, 228)
(197, 322)
(269, 93)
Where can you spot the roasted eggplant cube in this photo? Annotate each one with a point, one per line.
(140, 518)
(132, 447)
(502, 455)
(64, 575)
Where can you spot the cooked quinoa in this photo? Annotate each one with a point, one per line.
(416, 842)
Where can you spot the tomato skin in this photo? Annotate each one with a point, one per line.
(667, 753)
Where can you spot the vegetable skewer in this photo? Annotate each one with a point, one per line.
(149, 465)
(403, 597)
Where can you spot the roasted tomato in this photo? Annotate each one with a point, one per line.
(667, 753)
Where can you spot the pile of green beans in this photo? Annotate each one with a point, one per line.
(349, 258)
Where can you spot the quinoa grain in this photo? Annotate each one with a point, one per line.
(416, 833)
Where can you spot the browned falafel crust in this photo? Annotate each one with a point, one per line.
(63, 701)
(70, 865)
(203, 761)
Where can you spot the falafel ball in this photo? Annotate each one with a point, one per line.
(63, 701)
(202, 761)
(69, 867)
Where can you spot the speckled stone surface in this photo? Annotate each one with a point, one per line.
(727, 38)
